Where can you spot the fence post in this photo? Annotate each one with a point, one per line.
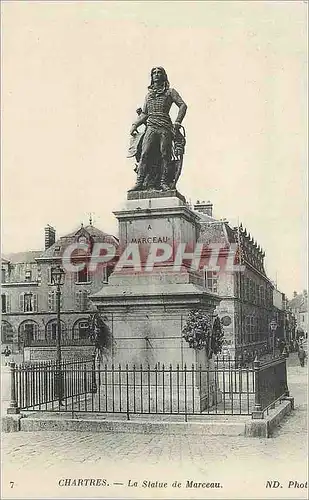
(128, 403)
(93, 382)
(85, 378)
(257, 412)
(13, 408)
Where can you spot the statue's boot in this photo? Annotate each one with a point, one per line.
(139, 186)
(164, 180)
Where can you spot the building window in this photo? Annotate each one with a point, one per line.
(81, 329)
(211, 281)
(246, 289)
(28, 331)
(51, 331)
(83, 275)
(7, 334)
(3, 277)
(52, 301)
(258, 294)
(28, 302)
(82, 300)
(57, 250)
(251, 328)
(250, 290)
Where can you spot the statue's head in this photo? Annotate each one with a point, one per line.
(158, 75)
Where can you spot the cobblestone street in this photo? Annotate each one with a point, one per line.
(35, 462)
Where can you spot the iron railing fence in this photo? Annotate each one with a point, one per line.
(87, 386)
(271, 384)
(43, 383)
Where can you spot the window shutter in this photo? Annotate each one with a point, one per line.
(35, 302)
(8, 303)
(78, 301)
(21, 302)
(50, 301)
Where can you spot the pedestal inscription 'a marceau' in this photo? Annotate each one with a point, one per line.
(153, 239)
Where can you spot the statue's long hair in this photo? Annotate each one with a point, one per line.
(165, 81)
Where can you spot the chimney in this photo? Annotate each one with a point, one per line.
(50, 236)
(203, 207)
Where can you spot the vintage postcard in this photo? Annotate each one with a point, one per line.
(154, 308)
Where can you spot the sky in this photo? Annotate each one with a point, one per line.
(73, 74)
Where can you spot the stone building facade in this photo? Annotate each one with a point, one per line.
(28, 297)
(281, 315)
(246, 306)
(299, 307)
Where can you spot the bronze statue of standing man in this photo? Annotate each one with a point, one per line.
(156, 147)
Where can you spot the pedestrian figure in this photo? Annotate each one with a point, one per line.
(6, 352)
(302, 356)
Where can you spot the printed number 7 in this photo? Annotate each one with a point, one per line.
(12, 484)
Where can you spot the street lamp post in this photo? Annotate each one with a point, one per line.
(273, 327)
(57, 279)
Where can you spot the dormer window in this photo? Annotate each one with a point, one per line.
(28, 276)
(82, 239)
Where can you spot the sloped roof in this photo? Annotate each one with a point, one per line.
(57, 249)
(299, 302)
(212, 233)
(21, 257)
(214, 230)
(92, 231)
(204, 217)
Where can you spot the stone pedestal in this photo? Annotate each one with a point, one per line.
(147, 309)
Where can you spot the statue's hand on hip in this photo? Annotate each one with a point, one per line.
(133, 130)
